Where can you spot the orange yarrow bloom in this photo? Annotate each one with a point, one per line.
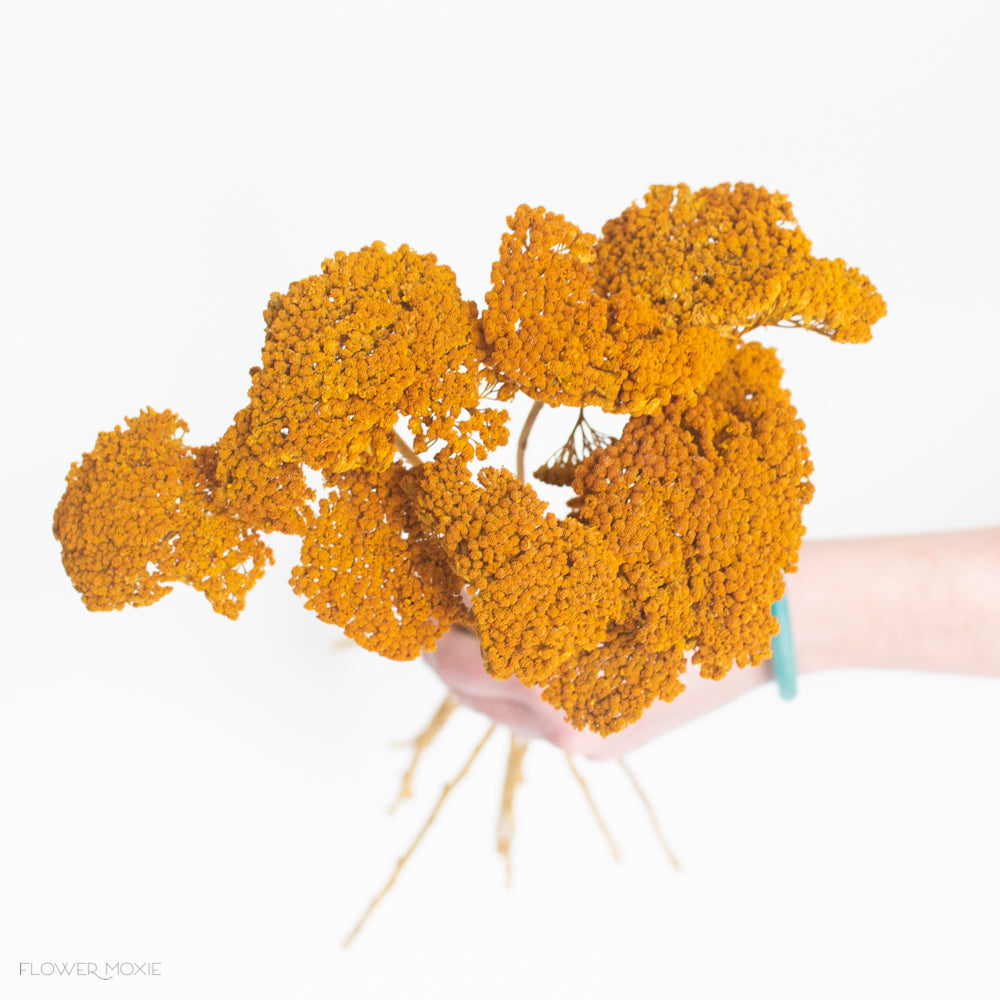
(549, 332)
(702, 503)
(368, 566)
(733, 258)
(377, 335)
(138, 514)
(542, 589)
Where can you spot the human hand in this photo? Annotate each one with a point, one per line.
(458, 661)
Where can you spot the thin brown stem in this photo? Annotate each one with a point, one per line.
(652, 814)
(513, 777)
(522, 441)
(593, 808)
(421, 742)
(405, 450)
(430, 819)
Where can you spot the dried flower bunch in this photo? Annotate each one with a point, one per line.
(678, 533)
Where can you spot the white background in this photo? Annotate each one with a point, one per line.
(211, 795)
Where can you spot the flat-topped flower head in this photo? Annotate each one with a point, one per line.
(542, 589)
(376, 336)
(544, 330)
(702, 503)
(552, 333)
(138, 514)
(731, 257)
(368, 566)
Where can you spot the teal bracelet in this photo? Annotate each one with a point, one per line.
(783, 652)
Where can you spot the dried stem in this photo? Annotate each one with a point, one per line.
(513, 777)
(421, 742)
(652, 814)
(593, 807)
(522, 441)
(405, 450)
(430, 819)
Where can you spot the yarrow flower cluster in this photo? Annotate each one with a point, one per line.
(679, 530)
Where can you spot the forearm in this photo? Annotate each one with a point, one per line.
(920, 602)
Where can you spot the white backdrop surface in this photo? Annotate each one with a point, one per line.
(210, 796)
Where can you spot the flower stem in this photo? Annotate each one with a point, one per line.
(430, 819)
(522, 441)
(514, 776)
(405, 450)
(652, 814)
(593, 808)
(421, 742)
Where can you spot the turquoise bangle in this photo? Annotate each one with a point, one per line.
(783, 652)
